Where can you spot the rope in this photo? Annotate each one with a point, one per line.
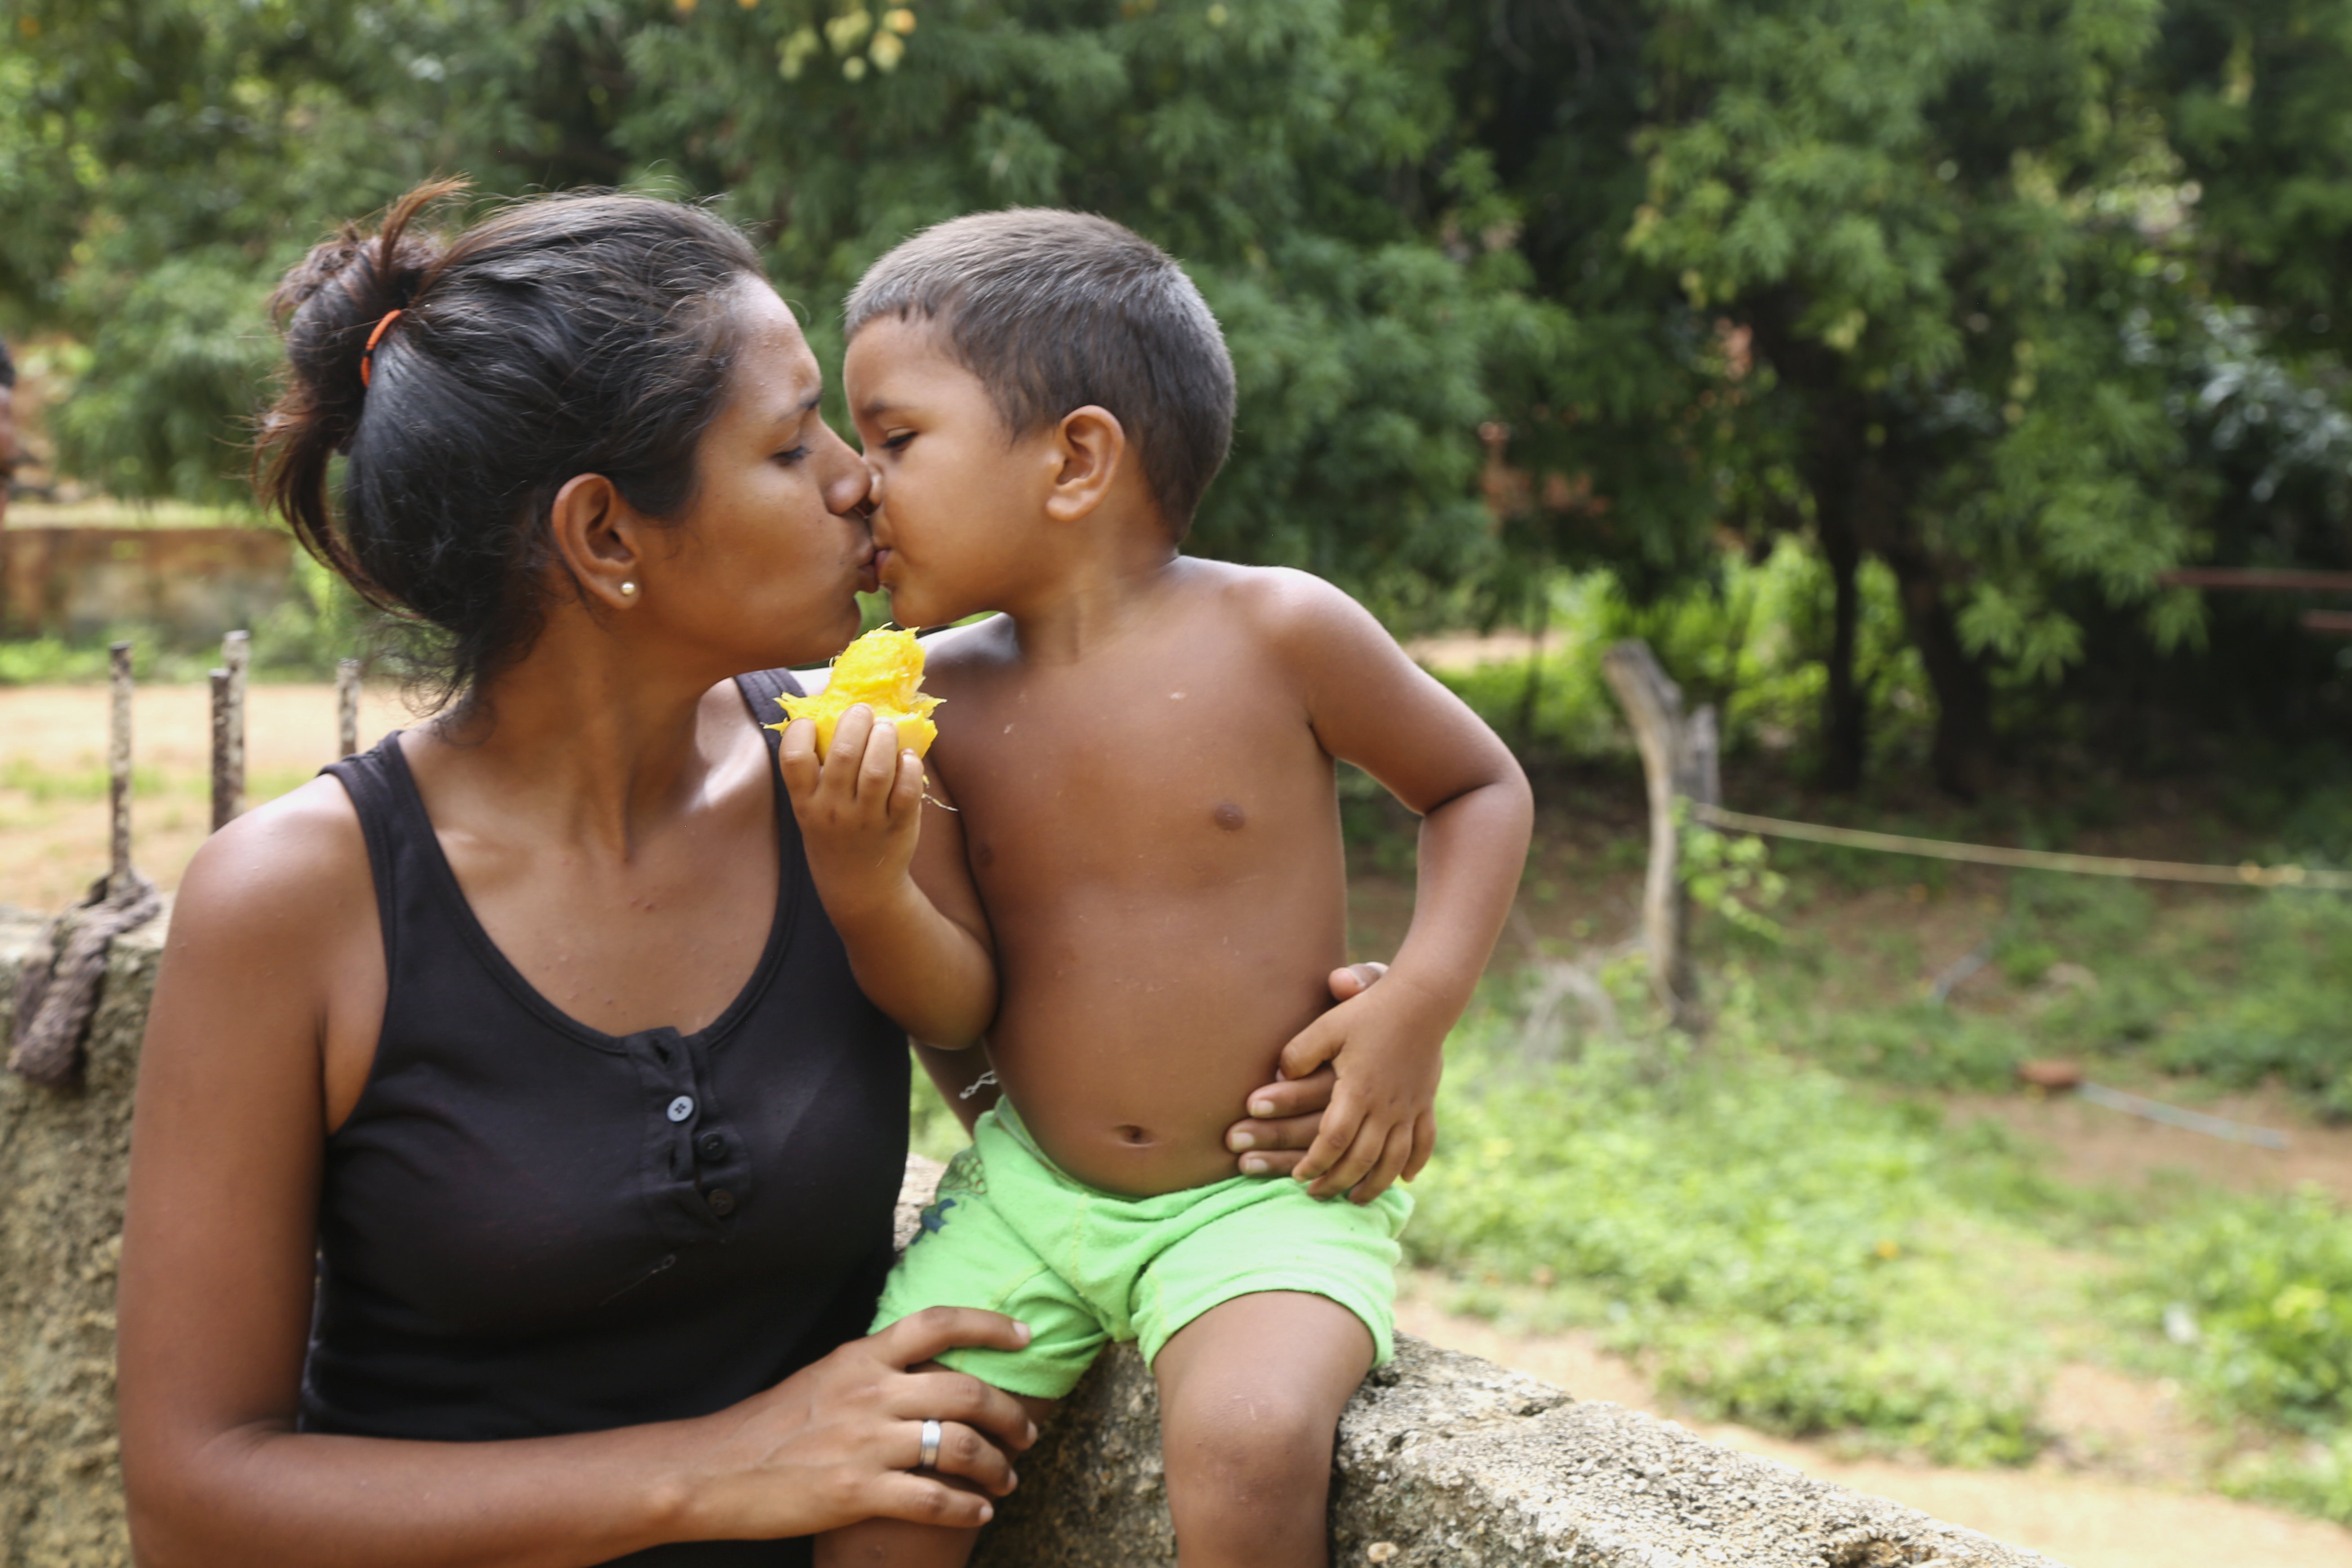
(56, 991)
(2246, 875)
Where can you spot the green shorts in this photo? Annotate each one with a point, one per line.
(1083, 1268)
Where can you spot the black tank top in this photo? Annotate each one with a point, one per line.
(530, 1227)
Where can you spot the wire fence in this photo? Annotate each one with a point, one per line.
(2247, 874)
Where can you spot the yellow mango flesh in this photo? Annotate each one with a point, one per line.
(883, 670)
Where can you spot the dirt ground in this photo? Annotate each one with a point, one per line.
(53, 814)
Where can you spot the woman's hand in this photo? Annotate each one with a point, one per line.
(839, 1441)
(1285, 1115)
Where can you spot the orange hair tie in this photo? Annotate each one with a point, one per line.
(367, 355)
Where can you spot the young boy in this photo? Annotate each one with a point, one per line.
(1142, 746)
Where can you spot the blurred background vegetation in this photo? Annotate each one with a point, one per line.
(1873, 359)
(1994, 309)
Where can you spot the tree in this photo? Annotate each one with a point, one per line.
(1928, 224)
(1294, 156)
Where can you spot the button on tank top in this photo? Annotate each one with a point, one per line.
(529, 1228)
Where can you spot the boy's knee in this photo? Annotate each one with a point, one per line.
(1267, 1441)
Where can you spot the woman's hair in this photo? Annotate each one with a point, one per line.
(583, 333)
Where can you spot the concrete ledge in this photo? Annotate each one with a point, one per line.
(1444, 1461)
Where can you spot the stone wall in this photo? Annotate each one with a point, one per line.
(62, 1157)
(198, 583)
(1444, 1461)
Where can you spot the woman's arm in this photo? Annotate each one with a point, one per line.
(889, 866)
(273, 958)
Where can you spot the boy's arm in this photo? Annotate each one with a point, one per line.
(1372, 706)
(894, 883)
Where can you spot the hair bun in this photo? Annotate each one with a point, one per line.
(330, 304)
(327, 307)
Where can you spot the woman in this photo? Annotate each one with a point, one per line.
(515, 1146)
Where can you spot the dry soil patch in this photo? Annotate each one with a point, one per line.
(53, 814)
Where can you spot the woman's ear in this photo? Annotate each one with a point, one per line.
(599, 538)
(1092, 447)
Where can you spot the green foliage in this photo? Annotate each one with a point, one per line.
(2265, 1288)
(1741, 638)
(2316, 1480)
(1730, 877)
(1783, 1250)
(2279, 1010)
(1294, 155)
(45, 661)
(933, 1128)
(1954, 325)
(2003, 307)
(2260, 119)
(1917, 1044)
(319, 624)
(2235, 989)
(1264, 144)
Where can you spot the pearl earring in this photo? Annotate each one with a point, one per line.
(628, 590)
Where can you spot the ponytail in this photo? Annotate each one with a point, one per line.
(327, 308)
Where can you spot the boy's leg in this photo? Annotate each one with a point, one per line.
(902, 1544)
(1250, 1395)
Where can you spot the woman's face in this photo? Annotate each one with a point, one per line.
(765, 563)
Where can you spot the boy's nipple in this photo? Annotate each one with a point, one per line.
(1230, 817)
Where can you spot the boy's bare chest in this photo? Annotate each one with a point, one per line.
(1175, 775)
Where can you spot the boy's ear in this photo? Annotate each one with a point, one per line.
(1092, 446)
(600, 538)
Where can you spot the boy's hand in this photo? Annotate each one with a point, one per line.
(859, 808)
(1385, 1046)
(1285, 1115)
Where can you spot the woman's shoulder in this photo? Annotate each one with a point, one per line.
(290, 868)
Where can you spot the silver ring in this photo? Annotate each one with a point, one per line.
(931, 1454)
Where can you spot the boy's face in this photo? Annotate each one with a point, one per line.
(959, 504)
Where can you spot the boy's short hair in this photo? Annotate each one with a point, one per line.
(1054, 311)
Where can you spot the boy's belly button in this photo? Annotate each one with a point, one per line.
(1133, 1136)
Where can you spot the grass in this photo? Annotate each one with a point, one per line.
(43, 785)
(1775, 1246)
(2255, 1294)
(2231, 989)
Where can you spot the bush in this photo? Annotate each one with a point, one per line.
(1742, 639)
(2316, 1480)
(2268, 1286)
(2284, 1008)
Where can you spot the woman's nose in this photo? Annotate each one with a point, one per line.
(850, 491)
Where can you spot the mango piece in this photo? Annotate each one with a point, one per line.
(883, 670)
